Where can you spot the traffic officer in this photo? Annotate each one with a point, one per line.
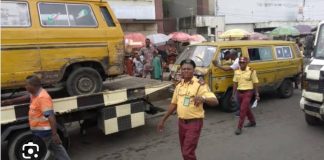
(245, 85)
(188, 99)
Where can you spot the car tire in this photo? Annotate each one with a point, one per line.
(311, 120)
(84, 80)
(286, 89)
(227, 104)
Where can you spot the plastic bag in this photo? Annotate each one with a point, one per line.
(255, 104)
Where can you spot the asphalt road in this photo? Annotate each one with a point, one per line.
(281, 134)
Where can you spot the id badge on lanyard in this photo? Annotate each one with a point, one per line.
(186, 101)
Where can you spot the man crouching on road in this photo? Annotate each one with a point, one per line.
(41, 116)
(188, 99)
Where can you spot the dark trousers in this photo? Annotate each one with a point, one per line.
(56, 151)
(245, 109)
(189, 133)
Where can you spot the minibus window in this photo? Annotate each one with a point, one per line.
(109, 20)
(14, 14)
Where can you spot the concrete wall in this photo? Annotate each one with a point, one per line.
(133, 9)
(169, 25)
(274, 24)
(132, 12)
(159, 15)
(247, 27)
(314, 10)
(182, 8)
(254, 11)
(211, 7)
(210, 21)
(140, 27)
(202, 7)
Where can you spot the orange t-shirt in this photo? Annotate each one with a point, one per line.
(40, 107)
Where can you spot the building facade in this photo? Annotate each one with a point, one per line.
(143, 16)
(196, 17)
(251, 15)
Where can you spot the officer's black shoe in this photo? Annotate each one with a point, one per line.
(238, 131)
(250, 124)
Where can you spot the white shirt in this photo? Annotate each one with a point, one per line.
(236, 64)
(139, 65)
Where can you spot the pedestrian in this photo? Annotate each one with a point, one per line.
(188, 99)
(138, 63)
(41, 116)
(245, 85)
(147, 52)
(233, 56)
(129, 65)
(157, 67)
(172, 52)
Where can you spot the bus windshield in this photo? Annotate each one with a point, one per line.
(202, 55)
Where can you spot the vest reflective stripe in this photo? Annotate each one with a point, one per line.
(47, 109)
(42, 119)
(40, 128)
(39, 124)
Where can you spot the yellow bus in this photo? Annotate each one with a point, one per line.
(74, 43)
(278, 64)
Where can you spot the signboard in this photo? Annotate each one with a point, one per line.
(128, 9)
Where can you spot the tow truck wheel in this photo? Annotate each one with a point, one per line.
(84, 80)
(23, 145)
(311, 120)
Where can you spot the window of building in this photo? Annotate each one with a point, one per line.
(66, 15)
(14, 14)
(260, 54)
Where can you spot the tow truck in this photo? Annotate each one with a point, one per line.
(122, 106)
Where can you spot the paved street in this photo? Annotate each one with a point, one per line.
(281, 134)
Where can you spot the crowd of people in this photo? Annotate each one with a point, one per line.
(150, 61)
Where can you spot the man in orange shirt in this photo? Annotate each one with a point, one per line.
(41, 116)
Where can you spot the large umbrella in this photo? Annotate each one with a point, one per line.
(304, 29)
(158, 39)
(235, 33)
(180, 36)
(285, 31)
(197, 38)
(135, 39)
(258, 36)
